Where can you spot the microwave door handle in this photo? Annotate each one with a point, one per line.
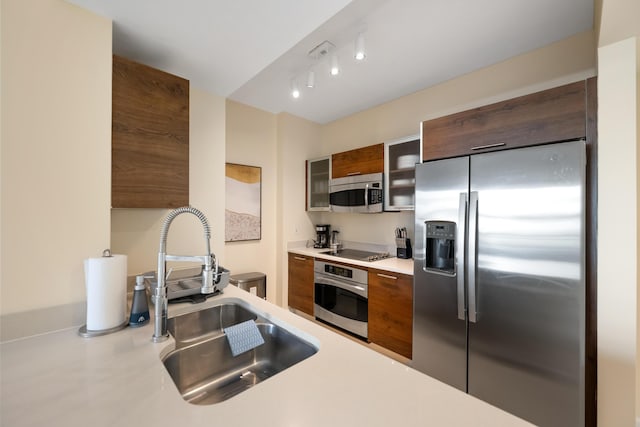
(366, 196)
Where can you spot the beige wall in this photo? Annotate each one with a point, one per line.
(617, 271)
(136, 232)
(563, 62)
(618, 139)
(251, 136)
(298, 140)
(55, 172)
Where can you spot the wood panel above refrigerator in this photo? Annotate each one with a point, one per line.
(557, 114)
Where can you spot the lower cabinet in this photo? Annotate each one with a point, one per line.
(301, 283)
(391, 310)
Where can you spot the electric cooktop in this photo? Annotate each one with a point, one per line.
(358, 255)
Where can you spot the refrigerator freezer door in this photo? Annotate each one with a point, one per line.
(439, 337)
(527, 348)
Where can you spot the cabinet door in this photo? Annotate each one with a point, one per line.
(400, 158)
(318, 175)
(553, 115)
(150, 137)
(360, 161)
(301, 283)
(391, 310)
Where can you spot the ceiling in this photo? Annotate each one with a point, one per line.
(251, 50)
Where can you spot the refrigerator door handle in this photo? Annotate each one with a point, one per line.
(460, 254)
(472, 255)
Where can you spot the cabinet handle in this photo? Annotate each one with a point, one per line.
(386, 276)
(484, 147)
(353, 173)
(299, 258)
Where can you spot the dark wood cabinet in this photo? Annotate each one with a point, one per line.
(301, 283)
(552, 115)
(391, 311)
(358, 162)
(150, 137)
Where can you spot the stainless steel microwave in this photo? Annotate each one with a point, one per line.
(356, 193)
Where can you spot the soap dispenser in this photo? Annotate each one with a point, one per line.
(139, 305)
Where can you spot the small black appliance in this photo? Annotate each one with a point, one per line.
(322, 236)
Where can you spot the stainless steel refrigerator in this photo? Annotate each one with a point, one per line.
(499, 278)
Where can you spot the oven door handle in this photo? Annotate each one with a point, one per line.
(356, 289)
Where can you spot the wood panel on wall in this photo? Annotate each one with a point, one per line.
(360, 161)
(150, 137)
(552, 115)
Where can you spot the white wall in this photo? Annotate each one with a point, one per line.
(136, 232)
(56, 151)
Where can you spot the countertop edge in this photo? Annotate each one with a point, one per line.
(393, 264)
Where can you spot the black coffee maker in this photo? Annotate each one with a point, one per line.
(322, 236)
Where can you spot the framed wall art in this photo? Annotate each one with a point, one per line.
(243, 204)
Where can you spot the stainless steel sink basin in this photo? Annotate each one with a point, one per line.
(202, 366)
(207, 323)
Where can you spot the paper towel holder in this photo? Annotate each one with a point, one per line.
(88, 333)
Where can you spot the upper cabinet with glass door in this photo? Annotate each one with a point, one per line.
(318, 175)
(400, 158)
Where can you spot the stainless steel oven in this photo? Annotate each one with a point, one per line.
(341, 296)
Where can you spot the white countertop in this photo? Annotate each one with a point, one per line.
(397, 265)
(61, 379)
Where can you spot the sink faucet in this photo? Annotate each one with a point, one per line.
(209, 272)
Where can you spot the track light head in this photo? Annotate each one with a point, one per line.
(295, 91)
(360, 53)
(335, 67)
(311, 79)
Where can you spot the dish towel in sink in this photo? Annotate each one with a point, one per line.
(243, 337)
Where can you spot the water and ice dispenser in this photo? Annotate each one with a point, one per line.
(440, 247)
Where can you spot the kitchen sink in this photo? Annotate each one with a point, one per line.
(208, 323)
(202, 365)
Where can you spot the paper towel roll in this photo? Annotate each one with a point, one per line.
(106, 281)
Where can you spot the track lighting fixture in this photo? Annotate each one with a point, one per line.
(323, 53)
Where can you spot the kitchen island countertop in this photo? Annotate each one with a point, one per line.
(61, 379)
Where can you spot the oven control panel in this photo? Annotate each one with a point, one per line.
(338, 271)
(341, 272)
